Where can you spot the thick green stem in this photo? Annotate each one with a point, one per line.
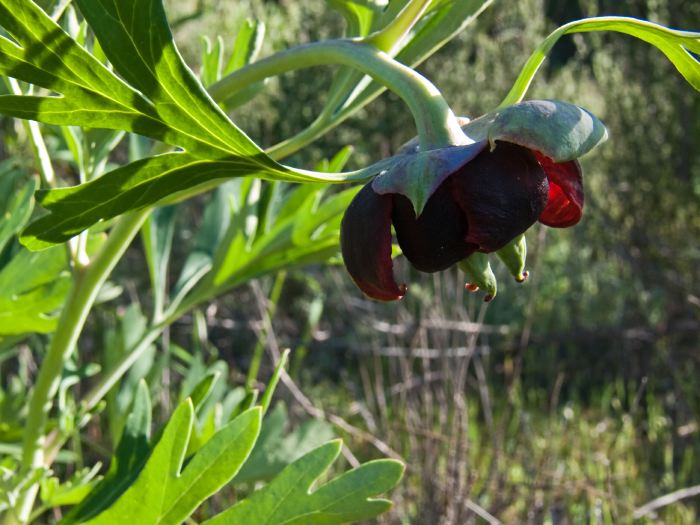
(388, 40)
(71, 322)
(436, 124)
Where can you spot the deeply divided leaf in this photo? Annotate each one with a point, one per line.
(165, 492)
(157, 96)
(288, 499)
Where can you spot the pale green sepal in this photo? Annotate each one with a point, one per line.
(513, 256)
(559, 130)
(418, 175)
(479, 273)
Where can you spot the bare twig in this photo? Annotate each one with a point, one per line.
(426, 353)
(338, 421)
(482, 513)
(663, 501)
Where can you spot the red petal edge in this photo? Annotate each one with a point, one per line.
(365, 241)
(565, 201)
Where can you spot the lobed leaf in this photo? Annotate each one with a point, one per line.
(277, 446)
(33, 286)
(16, 201)
(307, 233)
(165, 492)
(131, 187)
(288, 499)
(157, 96)
(128, 461)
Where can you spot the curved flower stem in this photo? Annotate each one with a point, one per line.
(669, 41)
(436, 124)
(388, 40)
(73, 316)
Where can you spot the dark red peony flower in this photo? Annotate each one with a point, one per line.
(471, 198)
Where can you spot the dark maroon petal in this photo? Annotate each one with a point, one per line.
(502, 192)
(565, 201)
(365, 240)
(435, 240)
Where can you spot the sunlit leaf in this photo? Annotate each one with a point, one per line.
(165, 492)
(127, 462)
(155, 95)
(289, 498)
(678, 47)
(16, 202)
(33, 286)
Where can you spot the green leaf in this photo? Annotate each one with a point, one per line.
(247, 46)
(127, 463)
(277, 446)
(307, 233)
(32, 287)
(165, 492)
(212, 60)
(337, 163)
(134, 186)
(676, 45)
(215, 221)
(56, 494)
(162, 100)
(274, 381)
(119, 341)
(16, 201)
(288, 499)
(157, 235)
(358, 15)
(202, 390)
(136, 39)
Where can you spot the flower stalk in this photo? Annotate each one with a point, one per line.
(436, 124)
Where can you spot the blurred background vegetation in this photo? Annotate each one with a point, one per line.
(570, 399)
